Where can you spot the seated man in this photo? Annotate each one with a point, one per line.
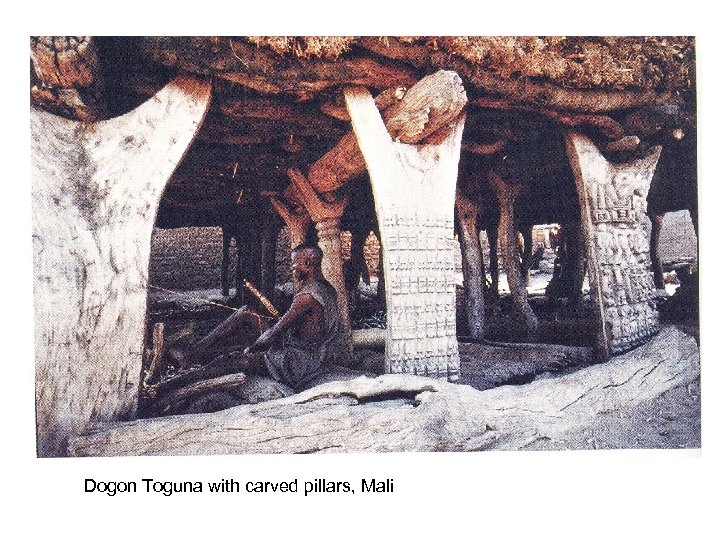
(307, 340)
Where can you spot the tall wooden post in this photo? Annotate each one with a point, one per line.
(95, 192)
(414, 189)
(473, 274)
(613, 203)
(507, 194)
(326, 216)
(297, 220)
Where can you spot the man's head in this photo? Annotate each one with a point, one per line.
(306, 261)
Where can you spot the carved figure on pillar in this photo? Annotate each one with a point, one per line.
(613, 205)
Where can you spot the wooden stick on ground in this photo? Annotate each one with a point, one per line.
(157, 356)
(226, 382)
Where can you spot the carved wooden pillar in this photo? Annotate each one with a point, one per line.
(472, 264)
(326, 216)
(613, 205)
(296, 219)
(95, 192)
(414, 189)
(658, 278)
(507, 194)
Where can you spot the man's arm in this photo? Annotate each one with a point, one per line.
(301, 305)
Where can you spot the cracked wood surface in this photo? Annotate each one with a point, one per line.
(95, 192)
(394, 413)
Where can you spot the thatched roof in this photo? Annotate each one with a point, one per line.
(276, 99)
(617, 63)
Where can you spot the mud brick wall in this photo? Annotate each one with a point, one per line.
(677, 238)
(187, 258)
(371, 251)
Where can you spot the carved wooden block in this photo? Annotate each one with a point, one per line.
(613, 205)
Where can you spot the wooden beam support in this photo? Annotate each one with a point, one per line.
(414, 191)
(326, 217)
(507, 194)
(613, 205)
(429, 105)
(467, 212)
(95, 192)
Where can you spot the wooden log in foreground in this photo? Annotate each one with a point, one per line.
(344, 416)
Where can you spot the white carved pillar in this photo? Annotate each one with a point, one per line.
(414, 189)
(95, 192)
(613, 211)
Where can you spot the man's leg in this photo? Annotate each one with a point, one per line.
(242, 317)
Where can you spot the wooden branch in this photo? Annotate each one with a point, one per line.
(181, 335)
(427, 107)
(485, 149)
(156, 363)
(608, 128)
(383, 100)
(226, 382)
(318, 209)
(629, 143)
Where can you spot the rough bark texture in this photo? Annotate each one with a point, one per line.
(613, 206)
(95, 191)
(68, 70)
(400, 413)
(414, 190)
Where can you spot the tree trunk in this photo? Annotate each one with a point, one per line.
(492, 234)
(507, 194)
(95, 192)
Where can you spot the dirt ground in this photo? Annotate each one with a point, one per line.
(672, 420)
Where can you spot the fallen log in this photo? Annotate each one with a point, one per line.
(395, 413)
